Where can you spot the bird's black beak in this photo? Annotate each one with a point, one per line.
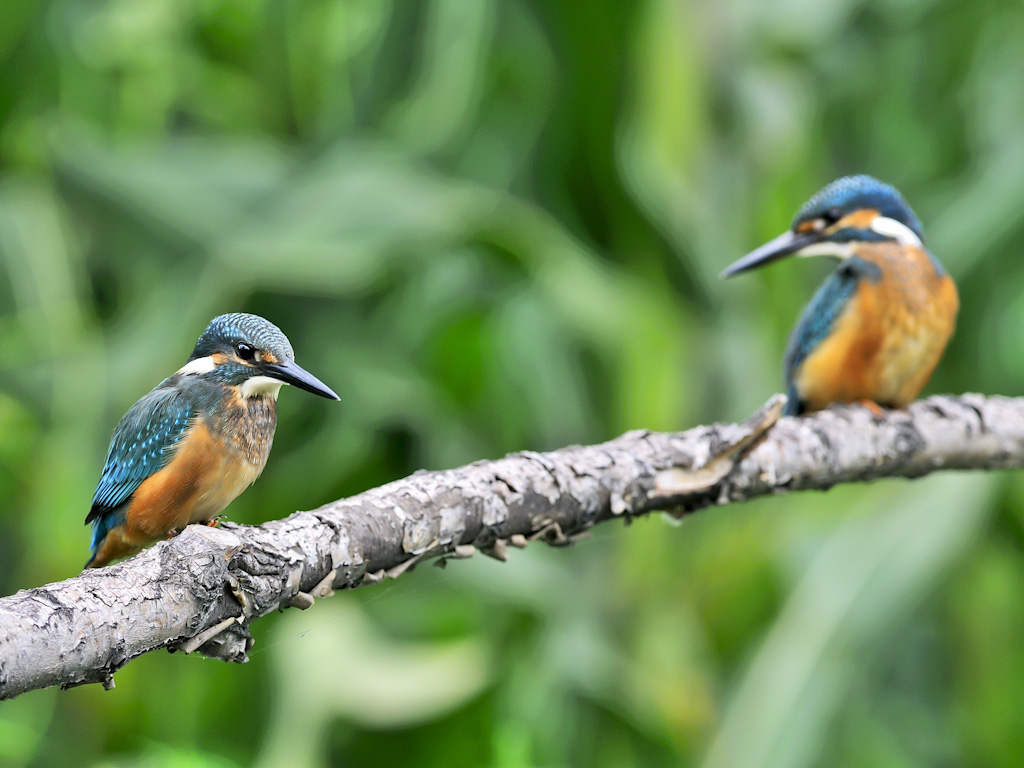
(291, 372)
(786, 244)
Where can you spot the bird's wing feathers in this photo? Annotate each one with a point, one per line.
(143, 443)
(819, 318)
(821, 315)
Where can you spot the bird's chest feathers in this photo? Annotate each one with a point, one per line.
(241, 432)
(908, 314)
(245, 428)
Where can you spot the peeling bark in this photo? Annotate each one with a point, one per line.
(200, 591)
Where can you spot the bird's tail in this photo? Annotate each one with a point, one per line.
(794, 405)
(101, 526)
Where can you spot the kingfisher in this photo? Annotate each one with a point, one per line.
(186, 449)
(875, 330)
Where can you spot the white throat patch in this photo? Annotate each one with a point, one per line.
(259, 386)
(897, 230)
(199, 365)
(827, 248)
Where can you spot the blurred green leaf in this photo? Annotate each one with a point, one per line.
(863, 582)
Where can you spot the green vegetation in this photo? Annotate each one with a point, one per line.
(498, 226)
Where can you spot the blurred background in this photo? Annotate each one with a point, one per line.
(495, 226)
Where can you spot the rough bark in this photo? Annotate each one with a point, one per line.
(201, 591)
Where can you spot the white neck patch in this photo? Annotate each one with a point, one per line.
(897, 230)
(259, 386)
(199, 365)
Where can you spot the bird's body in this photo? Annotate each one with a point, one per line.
(877, 327)
(186, 449)
(874, 331)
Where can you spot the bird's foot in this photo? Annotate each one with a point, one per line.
(876, 410)
(172, 533)
(214, 521)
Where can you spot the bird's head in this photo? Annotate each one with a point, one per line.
(250, 353)
(849, 210)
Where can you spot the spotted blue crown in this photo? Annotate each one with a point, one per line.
(854, 193)
(237, 328)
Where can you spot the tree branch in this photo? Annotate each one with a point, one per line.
(200, 591)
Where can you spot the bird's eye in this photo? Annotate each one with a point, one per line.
(831, 216)
(245, 351)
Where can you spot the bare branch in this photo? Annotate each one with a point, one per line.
(201, 591)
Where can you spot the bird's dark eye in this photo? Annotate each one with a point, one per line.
(832, 215)
(245, 351)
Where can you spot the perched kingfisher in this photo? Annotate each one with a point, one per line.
(184, 451)
(876, 329)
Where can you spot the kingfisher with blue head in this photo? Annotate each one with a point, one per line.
(875, 330)
(186, 449)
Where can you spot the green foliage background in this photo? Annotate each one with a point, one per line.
(495, 226)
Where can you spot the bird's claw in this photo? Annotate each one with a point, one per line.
(876, 410)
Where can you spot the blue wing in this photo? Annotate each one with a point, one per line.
(143, 443)
(819, 318)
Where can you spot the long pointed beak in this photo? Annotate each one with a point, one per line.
(784, 245)
(291, 372)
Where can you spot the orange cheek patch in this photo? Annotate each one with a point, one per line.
(857, 220)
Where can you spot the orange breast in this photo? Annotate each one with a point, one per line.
(203, 477)
(886, 344)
